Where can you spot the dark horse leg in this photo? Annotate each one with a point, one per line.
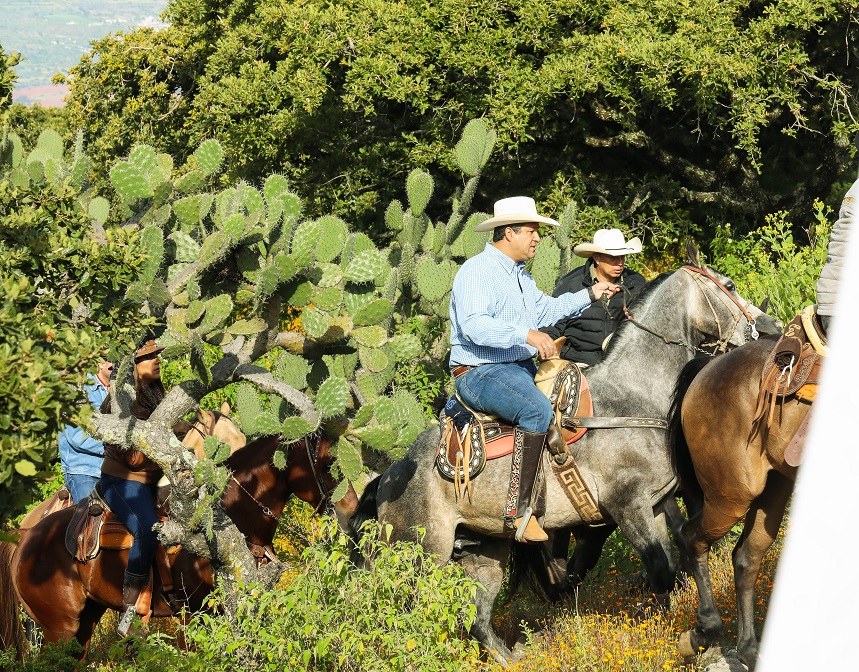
(759, 531)
(487, 565)
(698, 535)
(638, 525)
(587, 551)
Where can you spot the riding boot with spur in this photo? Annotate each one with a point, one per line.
(132, 585)
(524, 473)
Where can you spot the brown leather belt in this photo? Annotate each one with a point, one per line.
(461, 370)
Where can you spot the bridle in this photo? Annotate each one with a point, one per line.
(210, 430)
(720, 345)
(264, 554)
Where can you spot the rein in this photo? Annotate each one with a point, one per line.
(210, 430)
(722, 343)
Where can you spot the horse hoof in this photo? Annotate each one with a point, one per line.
(686, 648)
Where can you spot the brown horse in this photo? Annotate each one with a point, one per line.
(207, 423)
(734, 468)
(67, 598)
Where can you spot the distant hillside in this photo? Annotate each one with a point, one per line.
(52, 34)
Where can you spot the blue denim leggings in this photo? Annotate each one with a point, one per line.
(508, 391)
(79, 485)
(134, 503)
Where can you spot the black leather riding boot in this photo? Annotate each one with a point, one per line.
(521, 499)
(132, 585)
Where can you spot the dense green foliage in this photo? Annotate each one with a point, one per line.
(770, 263)
(664, 116)
(7, 77)
(408, 615)
(63, 304)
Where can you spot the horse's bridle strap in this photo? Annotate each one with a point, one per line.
(707, 274)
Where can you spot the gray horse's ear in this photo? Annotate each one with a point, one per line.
(764, 305)
(692, 254)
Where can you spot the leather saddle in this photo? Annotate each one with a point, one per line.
(793, 366)
(793, 370)
(94, 527)
(470, 438)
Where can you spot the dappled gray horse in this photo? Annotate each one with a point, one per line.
(628, 470)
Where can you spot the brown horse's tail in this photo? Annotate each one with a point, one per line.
(681, 458)
(11, 631)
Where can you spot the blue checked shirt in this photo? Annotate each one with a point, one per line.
(493, 305)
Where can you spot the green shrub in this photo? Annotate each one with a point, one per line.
(770, 263)
(407, 614)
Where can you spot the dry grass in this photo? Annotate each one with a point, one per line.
(609, 626)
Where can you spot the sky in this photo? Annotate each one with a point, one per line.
(52, 35)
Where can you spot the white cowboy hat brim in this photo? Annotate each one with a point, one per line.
(586, 250)
(513, 218)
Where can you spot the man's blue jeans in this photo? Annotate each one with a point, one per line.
(508, 391)
(79, 485)
(134, 503)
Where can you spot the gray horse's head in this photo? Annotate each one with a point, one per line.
(728, 317)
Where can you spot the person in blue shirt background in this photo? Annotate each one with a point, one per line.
(496, 311)
(80, 454)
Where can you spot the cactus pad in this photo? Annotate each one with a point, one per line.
(328, 299)
(406, 346)
(294, 428)
(255, 325)
(99, 209)
(372, 337)
(330, 238)
(332, 397)
(373, 359)
(218, 309)
(266, 424)
(248, 402)
(314, 322)
(419, 188)
(194, 312)
(304, 240)
(363, 416)
(394, 216)
(364, 266)
(434, 280)
(374, 312)
(338, 329)
(349, 459)
(186, 249)
(545, 265)
(474, 147)
(376, 437)
(355, 297)
(209, 156)
(292, 370)
(129, 181)
(191, 182)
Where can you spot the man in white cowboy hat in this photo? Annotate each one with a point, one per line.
(496, 311)
(587, 335)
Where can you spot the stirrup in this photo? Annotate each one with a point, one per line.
(126, 620)
(526, 517)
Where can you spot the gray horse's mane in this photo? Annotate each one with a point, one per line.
(642, 299)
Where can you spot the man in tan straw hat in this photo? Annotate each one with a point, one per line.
(587, 335)
(496, 311)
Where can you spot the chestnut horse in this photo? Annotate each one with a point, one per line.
(733, 468)
(67, 598)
